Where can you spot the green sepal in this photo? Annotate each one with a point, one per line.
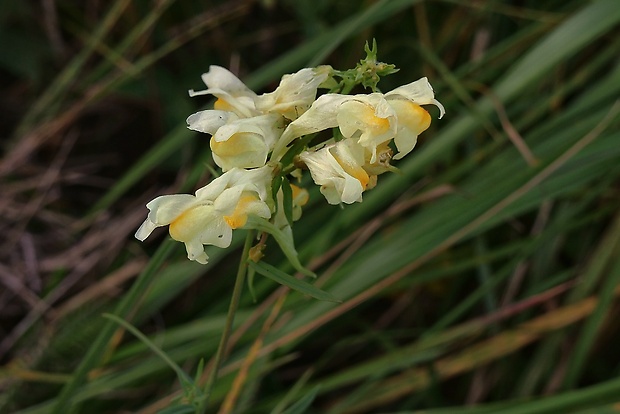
(367, 72)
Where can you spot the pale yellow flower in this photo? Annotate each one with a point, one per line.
(209, 217)
(295, 93)
(338, 169)
(246, 142)
(371, 120)
(368, 119)
(412, 119)
(231, 93)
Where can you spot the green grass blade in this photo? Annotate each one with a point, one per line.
(282, 278)
(95, 352)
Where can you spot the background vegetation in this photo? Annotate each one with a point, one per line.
(482, 278)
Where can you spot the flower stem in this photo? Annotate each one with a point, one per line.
(230, 318)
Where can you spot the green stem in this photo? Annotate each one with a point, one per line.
(230, 318)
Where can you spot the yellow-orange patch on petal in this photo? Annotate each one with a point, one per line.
(183, 228)
(222, 105)
(413, 117)
(231, 147)
(300, 195)
(376, 124)
(355, 171)
(239, 216)
(361, 176)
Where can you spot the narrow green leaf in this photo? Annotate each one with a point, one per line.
(199, 370)
(178, 409)
(287, 200)
(284, 241)
(279, 276)
(300, 406)
(572, 35)
(60, 85)
(275, 186)
(296, 147)
(183, 377)
(292, 392)
(593, 327)
(98, 347)
(593, 396)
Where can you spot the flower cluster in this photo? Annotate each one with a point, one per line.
(259, 141)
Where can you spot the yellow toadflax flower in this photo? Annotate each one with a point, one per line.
(231, 93)
(371, 120)
(246, 142)
(368, 119)
(412, 118)
(295, 93)
(209, 217)
(244, 126)
(338, 169)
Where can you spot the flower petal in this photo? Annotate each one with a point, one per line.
(248, 203)
(145, 230)
(295, 93)
(420, 92)
(369, 119)
(245, 143)
(350, 157)
(196, 252)
(221, 78)
(165, 209)
(208, 121)
(193, 220)
(232, 94)
(240, 150)
(412, 121)
(218, 234)
(337, 170)
(321, 115)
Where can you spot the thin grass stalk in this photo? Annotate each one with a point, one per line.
(230, 318)
(62, 81)
(99, 345)
(242, 377)
(592, 327)
(481, 353)
(132, 38)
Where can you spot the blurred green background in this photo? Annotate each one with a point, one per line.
(482, 278)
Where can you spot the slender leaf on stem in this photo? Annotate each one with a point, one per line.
(283, 240)
(287, 197)
(279, 276)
